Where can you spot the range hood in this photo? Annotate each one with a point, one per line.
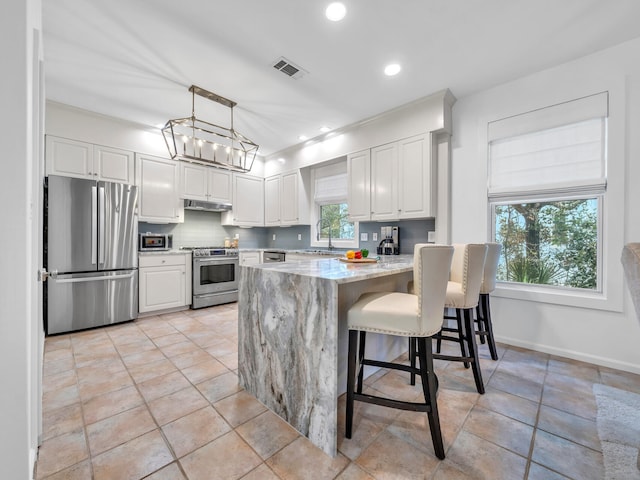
(206, 206)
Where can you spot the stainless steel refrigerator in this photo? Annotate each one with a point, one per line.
(91, 253)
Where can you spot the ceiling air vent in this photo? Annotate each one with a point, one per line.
(289, 68)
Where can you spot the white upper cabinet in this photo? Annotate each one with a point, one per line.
(359, 186)
(199, 182)
(159, 197)
(71, 158)
(248, 202)
(393, 181)
(417, 175)
(285, 200)
(384, 182)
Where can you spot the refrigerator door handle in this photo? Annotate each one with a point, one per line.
(102, 225)
(94, 224)
(126, 276)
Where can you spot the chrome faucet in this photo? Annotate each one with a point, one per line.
(318, 228)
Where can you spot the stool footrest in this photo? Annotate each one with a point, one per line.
(393, 366)
(387, 402)
(452, 358)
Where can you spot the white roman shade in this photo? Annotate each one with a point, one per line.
(331, 189)
(555, 149)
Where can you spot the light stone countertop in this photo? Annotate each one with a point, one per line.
(173, 251)
(334, 269)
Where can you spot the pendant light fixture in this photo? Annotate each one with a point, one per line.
(197, 141)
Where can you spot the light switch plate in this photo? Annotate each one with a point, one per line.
(364, 237)
(431, 237)
(299, 236)
(274, 236)
(375, 236)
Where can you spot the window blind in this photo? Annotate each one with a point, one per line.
(570, 157)
(331, 189)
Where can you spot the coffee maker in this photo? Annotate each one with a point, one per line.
(390, 243)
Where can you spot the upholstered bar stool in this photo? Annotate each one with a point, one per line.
(463, 292)
(416, 316)
(483, 310)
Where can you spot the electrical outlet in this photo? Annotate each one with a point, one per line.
(274, 236)
(375, 236)
(431, 236)
(299, 236)
(364, 237)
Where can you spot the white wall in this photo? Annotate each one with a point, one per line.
(77, 124)
(607, 332)
(19, 329)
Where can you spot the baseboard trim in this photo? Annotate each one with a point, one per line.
(33, 455)
(560, 352)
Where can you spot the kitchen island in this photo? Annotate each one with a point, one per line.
(292, 344)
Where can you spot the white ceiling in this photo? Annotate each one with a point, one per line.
(136, 59)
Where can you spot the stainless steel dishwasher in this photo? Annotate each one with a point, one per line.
(270, 256)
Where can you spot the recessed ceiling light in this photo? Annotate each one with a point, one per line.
(281, 160)
(336, 11)
(392, 69)
(302, 137)
(325, 129)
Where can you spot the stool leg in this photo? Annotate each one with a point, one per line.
(488, 326)
(351, 374)
(480, 319)
(429, 387)
(412, 357)
(473, 348)
(363, 339)
(463, 350)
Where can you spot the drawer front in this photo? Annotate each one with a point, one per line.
(161, 260)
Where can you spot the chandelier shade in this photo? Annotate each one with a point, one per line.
(197, 141)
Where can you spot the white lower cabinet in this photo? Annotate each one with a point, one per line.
(164, 282)
(250, 258)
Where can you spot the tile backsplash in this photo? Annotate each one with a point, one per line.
(204, 229)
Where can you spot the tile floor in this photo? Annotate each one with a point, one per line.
(158, 399)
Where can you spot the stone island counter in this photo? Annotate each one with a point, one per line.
(292, 344)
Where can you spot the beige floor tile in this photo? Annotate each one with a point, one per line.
(204, 371)
(143, 358)
(79, 471)
(185, 360)
(238, 408)
(448, 471)
(354, 472)
(569, 384)
(170, 339)
(62, 420)
(151, 370)
(574, 368)
(538, 472)
(481, 459)
(177, 404)
(179, 348)
(217, 388)
(61, 397)
(396, 385)
(57, 366)
(619, 379)
(301, 460)
(581, 405)
(59, 380)
(363, 433)
(534, 372)
(56, 342)
(157, 329)
(509, 405)
(61, 452)
(56, 355)
(503, 431)
(204, 339)
(567, 458)
(118, 429)
(262, 472)
(267, 434)
(222, 347)
(170, 472)
(577, 429)
(195, 430)
(516, 385)
(143, 345)
(134, 459)
(212, 462)
(124, 334)
(163, 385)
(111, 403)
(104, 383)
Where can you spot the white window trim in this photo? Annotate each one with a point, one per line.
(612, 231)
(324, 171)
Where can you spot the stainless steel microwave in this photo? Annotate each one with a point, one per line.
(148, 242)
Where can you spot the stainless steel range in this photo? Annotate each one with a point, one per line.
(215, 276)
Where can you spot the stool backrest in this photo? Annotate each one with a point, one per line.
(466, 269)
(431, 266)
(490, 267)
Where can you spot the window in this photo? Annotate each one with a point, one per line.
(330, 211)
(547, 188)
